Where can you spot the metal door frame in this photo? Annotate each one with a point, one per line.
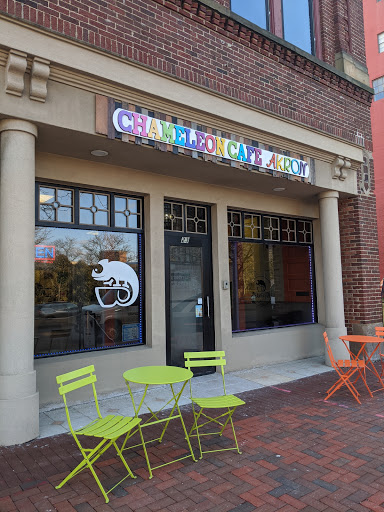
(174, 238)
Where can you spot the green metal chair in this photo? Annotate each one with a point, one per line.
(227, 402)
(108, 429)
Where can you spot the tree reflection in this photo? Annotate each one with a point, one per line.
(106, 245)
(68, 277)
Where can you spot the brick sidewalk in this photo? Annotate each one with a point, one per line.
(299, 453)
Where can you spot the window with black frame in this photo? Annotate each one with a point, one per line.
(271, 271)
(290, 19)
(88, 270)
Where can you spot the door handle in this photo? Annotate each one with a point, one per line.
(208, 310)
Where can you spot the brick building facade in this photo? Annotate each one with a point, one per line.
(244, 163)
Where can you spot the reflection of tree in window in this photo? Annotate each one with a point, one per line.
(41, 235)
(68, 247)
(112, 246)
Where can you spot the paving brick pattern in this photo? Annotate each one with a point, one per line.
(299, 453)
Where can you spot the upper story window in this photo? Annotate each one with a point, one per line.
(378, 87)
(256, 11)
(380, 40)
(297, 23)
(290, 19)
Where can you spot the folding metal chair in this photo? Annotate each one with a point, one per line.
(108, 429)
(227, 402)
(345, 369)
(379, 332)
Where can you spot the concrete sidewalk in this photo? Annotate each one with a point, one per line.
(53, 420)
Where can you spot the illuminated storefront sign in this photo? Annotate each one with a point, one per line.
(147, 127)
(45, 253)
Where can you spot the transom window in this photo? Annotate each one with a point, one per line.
(94, 208)
(290, 19)
(234, 224)
(288, 230)
(88, 208)
(271, 228)
(56, 204)
(127, 212)
(268, 228)
(252, 226)
(186, 218)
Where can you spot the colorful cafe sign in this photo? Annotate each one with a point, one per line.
(141, 125)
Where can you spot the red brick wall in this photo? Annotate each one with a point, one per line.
(201, 46)
(360, 255)
(328, 33)
(356, 16)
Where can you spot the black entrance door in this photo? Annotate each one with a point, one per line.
(189, 298)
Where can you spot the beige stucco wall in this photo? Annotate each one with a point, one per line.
(244, 350)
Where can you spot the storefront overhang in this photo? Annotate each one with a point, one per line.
(88, 69)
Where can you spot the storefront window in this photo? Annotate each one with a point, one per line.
(272, 283)
(88, 278)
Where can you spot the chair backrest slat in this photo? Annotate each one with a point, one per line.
(75, 374)
(204, 355)
(85, 377)
(379, 331)
(66, 388)
(210, 362)
(329, 350)
(204, 359)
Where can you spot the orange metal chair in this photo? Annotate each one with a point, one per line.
(379, 332)
(345, 369)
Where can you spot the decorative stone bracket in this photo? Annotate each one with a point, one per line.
(340, 167)
(39, 79)
(14, 72)
(15, 76)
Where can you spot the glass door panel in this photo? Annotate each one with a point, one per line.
(186, 301)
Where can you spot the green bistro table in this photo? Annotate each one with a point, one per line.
(159, 376)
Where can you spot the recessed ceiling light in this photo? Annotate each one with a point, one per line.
(99, 152)
(279, 189)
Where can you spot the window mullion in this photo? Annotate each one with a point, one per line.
(276, 18)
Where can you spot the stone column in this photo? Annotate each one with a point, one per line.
(333, 285)
(19, 401)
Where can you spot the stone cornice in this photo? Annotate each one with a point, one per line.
(229, 24)
(63, 72)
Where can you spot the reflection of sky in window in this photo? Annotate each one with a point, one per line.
(80, 244)
(252, 10)
(296, 21)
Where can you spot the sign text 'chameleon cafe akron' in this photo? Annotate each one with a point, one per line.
(163, 131)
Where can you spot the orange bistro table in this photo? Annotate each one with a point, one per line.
(364, 341)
